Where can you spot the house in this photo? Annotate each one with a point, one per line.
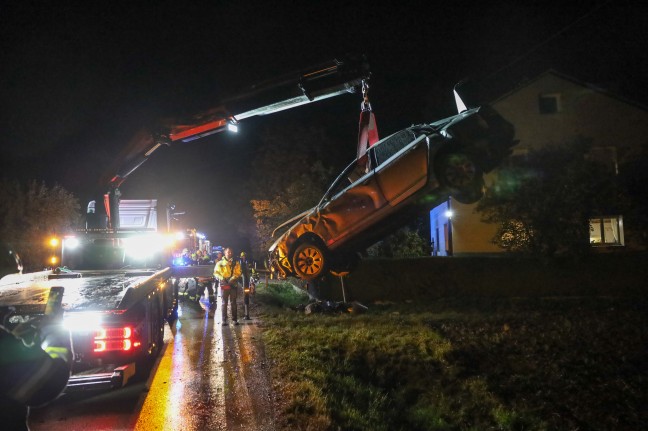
(550, 109)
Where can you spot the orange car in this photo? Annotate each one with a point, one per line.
(418, 167)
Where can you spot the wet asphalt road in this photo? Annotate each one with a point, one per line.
(209, 377)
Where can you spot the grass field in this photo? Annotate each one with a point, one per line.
(542, 363)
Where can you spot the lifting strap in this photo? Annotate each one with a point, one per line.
(367, 128)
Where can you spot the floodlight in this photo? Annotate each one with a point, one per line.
(71, 242)
(232, 125)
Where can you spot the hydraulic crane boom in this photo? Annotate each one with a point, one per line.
(333, 78)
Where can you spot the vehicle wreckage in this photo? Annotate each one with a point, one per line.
(411, 170)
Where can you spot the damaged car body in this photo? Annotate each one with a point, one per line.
(415, 168)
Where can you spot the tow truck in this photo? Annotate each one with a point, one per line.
(116, 271)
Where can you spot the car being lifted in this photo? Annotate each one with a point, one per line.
(420, 166)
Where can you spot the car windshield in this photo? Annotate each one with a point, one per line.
(378, 154)
(386, 148)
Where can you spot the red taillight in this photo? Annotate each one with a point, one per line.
(113, 339)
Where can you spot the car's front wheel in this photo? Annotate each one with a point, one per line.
(309, 261)
(459, 173)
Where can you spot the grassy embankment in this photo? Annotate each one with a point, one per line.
(470, 363)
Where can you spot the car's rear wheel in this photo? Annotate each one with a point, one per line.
(459, 173)
(309, 261)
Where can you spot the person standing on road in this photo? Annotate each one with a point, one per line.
(228, 272)
(245, 271)
(204, 259)
(217, 255)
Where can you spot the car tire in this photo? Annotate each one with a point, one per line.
(309, 261)
(458, 173)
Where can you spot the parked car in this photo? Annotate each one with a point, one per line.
(418, 167)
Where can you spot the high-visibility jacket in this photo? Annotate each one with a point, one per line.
(227, 272)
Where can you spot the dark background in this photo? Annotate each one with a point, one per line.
(77, 81)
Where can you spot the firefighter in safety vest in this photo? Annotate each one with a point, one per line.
(228, 272)
(34, 369)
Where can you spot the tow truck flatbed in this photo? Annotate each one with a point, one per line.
(84, 290)
(115, 317)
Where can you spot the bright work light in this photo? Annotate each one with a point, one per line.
(232, 125)
(71, 242)
(144, 247)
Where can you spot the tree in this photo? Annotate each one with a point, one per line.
(296, 164)
(405, 242)
(30, 214)
(542, 205)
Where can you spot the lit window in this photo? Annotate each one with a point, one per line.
(549, 103)
(606, 231)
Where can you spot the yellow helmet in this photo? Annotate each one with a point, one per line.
(242, 254)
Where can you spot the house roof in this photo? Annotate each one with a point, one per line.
(525, 82)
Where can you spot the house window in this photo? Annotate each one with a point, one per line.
(606, 231)
(549, 103)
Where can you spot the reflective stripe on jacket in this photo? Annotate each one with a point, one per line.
(226, 270)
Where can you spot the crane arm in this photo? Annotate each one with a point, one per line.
(320, 82)
(329, 79)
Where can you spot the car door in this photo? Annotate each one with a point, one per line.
(349, 207)
(402, 165)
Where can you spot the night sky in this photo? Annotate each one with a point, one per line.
(77, 81)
